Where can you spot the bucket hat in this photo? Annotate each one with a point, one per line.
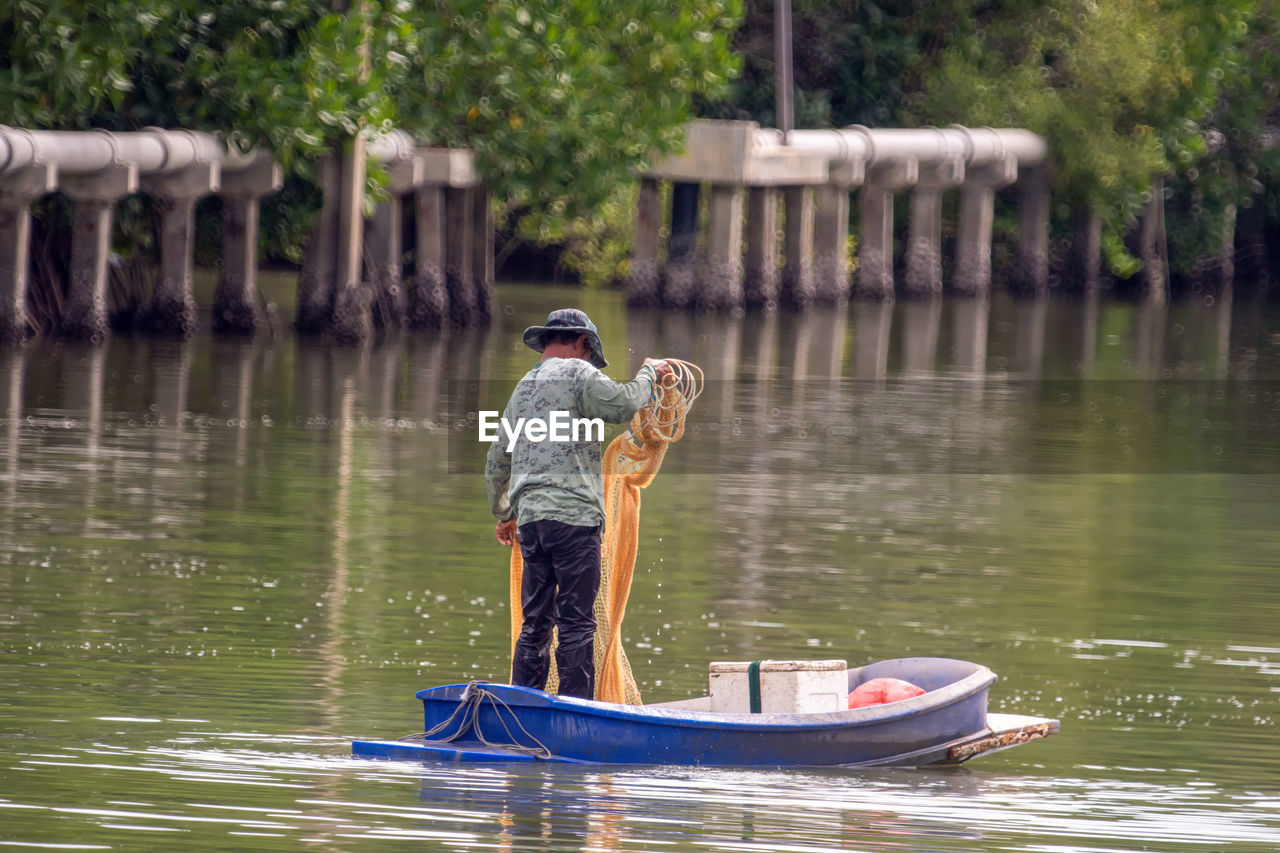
(568, 320)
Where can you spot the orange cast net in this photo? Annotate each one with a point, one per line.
(630, 463)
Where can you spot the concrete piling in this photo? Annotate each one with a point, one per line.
(1148, 244)
(923, 275)
(644, 280)
(16, 196)
(482, 253)
(383, 249)
(722, 288)
(351, 321)
(235, 298)
(797, 268)
(1033, 232)
(384, 243)
(428, 297)
(459, 225)
(977, 214)
(875, 217)
(682, 244)
(84, 314)
(173, 304)
(831, 235)
(1085, 260)
(760, 280)
(319, 262)
(451, 244)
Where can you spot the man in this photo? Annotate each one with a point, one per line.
(552, 493)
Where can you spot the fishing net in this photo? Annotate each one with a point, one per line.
(630, 463)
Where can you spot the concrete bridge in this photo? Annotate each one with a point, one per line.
(812, 177)
(453, 241)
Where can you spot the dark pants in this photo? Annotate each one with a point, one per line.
(558, 589)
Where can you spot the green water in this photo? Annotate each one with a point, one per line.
(222, 561)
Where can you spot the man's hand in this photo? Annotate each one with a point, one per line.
(506, 532)
(659, 366)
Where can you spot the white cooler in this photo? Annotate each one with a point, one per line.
(786, 686)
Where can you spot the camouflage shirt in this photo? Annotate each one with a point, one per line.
(559, 480)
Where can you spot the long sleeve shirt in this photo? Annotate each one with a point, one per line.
(561, 480)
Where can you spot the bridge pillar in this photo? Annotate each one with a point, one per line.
(722, 287)
(644, 281)
(319, 260)
(977, 214)
(459, 232)
(682, 244)
(173, 305)
(428, 297)
(1033, 232)
(1148, 244)
(384, 243)
(875, 230)
(17, 192)
(481, 248)
(84, 314)
(235, 298)
(1085, 259)
(384, 248)
(451, 247)
(923, 277)
(831, 232)
(760, 283)
(352, 322)
(797, 269)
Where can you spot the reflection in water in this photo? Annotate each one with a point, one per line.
(233, 486)
(969, 331)
(921, 320)
(287, 791)
(85, 390)
(1028, 338)
(334, 597)
(1148, 334)
(1089, 333)
(234, 360)
(871, 340)
(1223, 338)
(12, 367)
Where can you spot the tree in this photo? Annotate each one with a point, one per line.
(560, 100)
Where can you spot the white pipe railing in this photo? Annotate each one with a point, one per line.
(974, 146)
(153, 151)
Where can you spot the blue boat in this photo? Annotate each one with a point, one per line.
(948, 724)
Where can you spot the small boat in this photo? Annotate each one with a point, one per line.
(947, 724)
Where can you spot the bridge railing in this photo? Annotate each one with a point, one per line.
(813, 173)
(453, 263)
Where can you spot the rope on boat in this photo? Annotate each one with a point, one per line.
(468, 714)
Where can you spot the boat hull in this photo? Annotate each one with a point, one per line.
(492, 722)
(1004, 731)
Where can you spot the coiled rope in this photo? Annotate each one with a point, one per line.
(467, 716)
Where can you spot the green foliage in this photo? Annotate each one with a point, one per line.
(855, 62)
(1124, 90)
(561, 100)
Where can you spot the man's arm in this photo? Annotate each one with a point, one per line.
(497, 478)
(616, 402)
